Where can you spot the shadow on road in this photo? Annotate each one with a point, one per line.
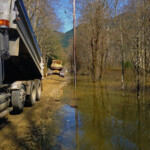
(3, 123)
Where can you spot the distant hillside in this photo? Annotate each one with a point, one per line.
(65, 40)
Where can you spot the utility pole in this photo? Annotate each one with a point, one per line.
(75, 73)
(74, 43)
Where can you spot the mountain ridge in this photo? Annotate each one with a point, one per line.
(65, 38)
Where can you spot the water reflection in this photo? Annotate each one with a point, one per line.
(104, 120)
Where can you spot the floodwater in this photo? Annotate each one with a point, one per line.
(106, 118)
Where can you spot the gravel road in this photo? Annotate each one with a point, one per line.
(27, 130)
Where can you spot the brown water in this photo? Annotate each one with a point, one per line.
(107, 118)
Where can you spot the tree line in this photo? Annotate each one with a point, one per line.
(45, 23)
(113, 34)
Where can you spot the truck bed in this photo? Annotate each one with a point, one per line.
(27, 64)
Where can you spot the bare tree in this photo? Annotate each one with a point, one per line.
(45, 22)
(116, 32)
(94, 14)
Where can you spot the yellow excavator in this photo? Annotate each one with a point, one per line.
(56, 68)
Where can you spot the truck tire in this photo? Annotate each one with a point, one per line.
(49, 72)
(62, 74)
(18, 98)
(38, 90)
(32, 97)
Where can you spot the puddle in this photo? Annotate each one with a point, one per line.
(103, 120)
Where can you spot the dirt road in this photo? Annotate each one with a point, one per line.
(28, 130)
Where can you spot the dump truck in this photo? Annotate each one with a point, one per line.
(21, 65)
(56, 68)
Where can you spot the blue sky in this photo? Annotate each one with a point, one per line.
(64, 12)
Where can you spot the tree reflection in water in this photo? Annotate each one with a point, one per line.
(106, 118)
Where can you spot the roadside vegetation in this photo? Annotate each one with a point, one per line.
(45, 23)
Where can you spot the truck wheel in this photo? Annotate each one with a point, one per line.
(32, 97)
(38, 90)
(50, 72)
(62, 74)
(18, 98)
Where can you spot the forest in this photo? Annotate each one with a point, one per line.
(114, 35)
